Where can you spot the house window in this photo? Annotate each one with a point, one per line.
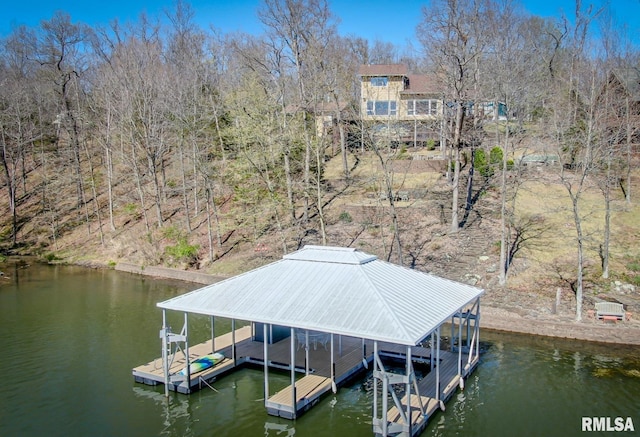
(422, 107)
(379, 81)
(382, 107)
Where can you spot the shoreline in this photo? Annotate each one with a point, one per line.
(590, 330)
(492, 318)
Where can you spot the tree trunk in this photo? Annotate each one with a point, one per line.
(579, 291)
(158, 191)
(457, 144)
(343, 150)
(11, 185)
(629, 154)
(138, 178)
(454, 190)
(289, 179)
(109, 164)
(469, 200)
(503, 211)
(185, 197)
(194, 159)
(94, 192)
(604, 252)
(319, 158)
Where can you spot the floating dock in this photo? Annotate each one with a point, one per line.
(152, 373)
(326, 314)
(313, 370)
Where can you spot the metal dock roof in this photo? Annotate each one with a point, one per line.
(337, 290)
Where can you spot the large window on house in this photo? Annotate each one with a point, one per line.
(379, 81)
(382, 107)
(422, 107)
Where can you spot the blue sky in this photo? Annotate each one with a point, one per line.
(358, 17)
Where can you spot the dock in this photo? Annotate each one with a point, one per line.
(152, 373)
(313, 377)
(449, 383)
(327, 314)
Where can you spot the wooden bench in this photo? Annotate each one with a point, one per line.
(610, 311)
(403, 196)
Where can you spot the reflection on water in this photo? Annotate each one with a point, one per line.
(70, 337)
(279, 429)
(173, 409)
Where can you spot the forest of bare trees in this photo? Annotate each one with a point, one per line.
(208, 140)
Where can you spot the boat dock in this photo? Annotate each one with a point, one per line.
(326, 314)
(347, 363)
(313, 372)
(152, 373)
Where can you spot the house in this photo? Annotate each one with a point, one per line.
(620, 99)
(626, 83)
(388, 91)
(410, 107)
(406, 107)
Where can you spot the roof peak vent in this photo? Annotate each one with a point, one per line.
(331, 254)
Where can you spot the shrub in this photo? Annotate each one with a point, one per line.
(345, 217)
(481, 165)
(182, 251)
(51, 257)
(131, 208)
(402, 154)
(495, 155)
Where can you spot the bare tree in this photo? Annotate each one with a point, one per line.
(575, 117)
(302, 26)
(142, 84)
(17, 112)
(265, 57)
(451, 34)
(60, 51)
(257, 174)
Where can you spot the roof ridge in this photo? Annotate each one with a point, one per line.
(384, 301)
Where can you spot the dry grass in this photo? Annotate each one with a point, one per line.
(368, 170)
(550, 199)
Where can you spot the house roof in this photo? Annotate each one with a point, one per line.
(421, 84)
(630, 80)
(383, 70)
(336, 290)
(321, 107)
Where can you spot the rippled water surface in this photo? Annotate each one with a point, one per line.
(70, 337)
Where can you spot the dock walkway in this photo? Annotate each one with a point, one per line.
(152, 373)
(315, 375)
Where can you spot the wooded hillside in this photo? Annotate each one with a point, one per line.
(175, 145)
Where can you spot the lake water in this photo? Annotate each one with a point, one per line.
(70, 337)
